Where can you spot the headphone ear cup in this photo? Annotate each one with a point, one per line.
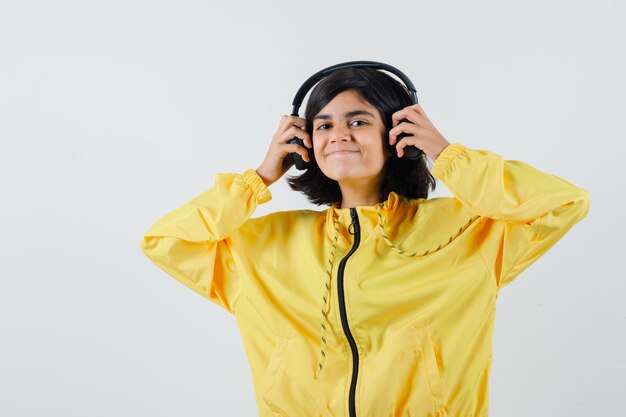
(300, 163)
(392, 150)
(409, 152)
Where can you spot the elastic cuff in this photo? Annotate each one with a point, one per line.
(449, 154)
(256, 184)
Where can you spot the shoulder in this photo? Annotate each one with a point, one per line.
(443, 207)
(287, 219)
(446, 215)
(426, 225)
(431, 211)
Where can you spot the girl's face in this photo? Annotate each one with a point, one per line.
(347, 137)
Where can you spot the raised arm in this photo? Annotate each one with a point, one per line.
(529, 210)
(192, 242)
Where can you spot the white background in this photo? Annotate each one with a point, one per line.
(114, 113)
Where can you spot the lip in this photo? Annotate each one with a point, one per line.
(341, 152)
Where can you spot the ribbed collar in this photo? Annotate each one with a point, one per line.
(368, 217)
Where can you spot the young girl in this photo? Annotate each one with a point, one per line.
(383, 304)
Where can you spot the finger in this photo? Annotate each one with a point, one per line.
(409, 113)
(403, 127)
(297, 132)
(301, 123)
(421, 111)
(307, 140)
(406, 141)
(295, 120)
(288, 120)
(400, 147)
(283, 124)
(295, 148)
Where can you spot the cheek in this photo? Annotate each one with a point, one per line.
(318, 154)
(318, 147)
(377, 150)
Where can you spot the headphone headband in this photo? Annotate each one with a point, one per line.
(315, 78)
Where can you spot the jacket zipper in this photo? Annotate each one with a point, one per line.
(344, 315)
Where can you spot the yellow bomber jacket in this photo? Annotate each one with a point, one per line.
(372, 311)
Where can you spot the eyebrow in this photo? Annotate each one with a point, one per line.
(346, 115)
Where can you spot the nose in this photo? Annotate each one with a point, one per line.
(340, 133)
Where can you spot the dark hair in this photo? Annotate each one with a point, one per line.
(409, 178)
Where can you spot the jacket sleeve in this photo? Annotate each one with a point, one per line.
(528, 210)
(192, 242)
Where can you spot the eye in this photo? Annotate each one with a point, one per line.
(322, 126)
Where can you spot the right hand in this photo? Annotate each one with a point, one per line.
(275, 163)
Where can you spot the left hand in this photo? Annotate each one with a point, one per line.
(425, 136)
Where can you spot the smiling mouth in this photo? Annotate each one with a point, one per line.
(340, 153)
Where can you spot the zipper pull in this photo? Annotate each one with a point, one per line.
(354, 220)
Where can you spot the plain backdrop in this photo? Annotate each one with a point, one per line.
(114, 113)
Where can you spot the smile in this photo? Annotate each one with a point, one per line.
(338, 153)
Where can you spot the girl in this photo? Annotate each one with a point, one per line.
(383, 304)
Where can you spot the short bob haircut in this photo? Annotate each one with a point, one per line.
(406, 177)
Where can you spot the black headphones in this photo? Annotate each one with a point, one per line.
(410, 152)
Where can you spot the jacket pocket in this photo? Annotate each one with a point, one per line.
(284, 395)
(403, 378)
(426, 356)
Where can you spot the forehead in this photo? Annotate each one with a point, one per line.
(347, 97)
(347, 104)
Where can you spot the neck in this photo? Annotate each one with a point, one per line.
(353, 195)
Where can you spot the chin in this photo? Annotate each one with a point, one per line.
(345, 169)
(340, 173)
(345, 175)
